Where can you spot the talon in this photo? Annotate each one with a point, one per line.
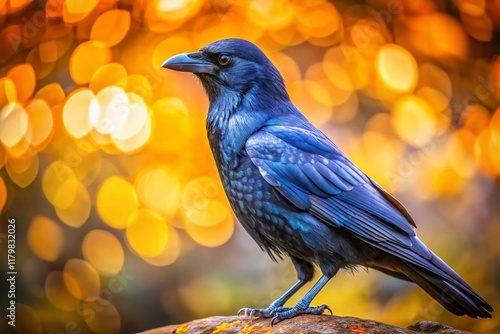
(252, 313)
(329, 309)
(244, 310)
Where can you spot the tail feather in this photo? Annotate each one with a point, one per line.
(456, 296)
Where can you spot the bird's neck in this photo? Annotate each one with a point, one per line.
(232, 119)
(220, 110)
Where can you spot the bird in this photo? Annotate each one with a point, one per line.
(298, 195)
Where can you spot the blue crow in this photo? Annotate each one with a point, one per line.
(298, 195)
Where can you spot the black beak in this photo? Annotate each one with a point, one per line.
(190, 62)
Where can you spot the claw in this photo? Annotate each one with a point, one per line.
(252, 313)
(329, 309)
(242, 310)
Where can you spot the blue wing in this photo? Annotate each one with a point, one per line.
(304, 166)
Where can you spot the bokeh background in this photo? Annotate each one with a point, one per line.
(121, 221)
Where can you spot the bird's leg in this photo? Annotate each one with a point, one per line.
(275, 306)
(302, 307)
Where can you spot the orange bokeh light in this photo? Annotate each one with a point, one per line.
(24, 78)
(80, 68)
(111, 27)
(117, 202)
(397, 68)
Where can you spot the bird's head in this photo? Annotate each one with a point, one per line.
(231, 67)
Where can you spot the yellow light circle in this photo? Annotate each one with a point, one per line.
(66, 192)
(326, 87)
(108, 75)
(271, 15)
(338, 76)
(397, 68)
(76, 10)
(23, 162)
(287, 66)
(58, 294)
(103, 251)
(57, 174)
(8, 91)
(169, 254)
(14, 124)
(414, 120)
(440, 36)
(81, 68)
(211, 236)
(459, 156)
(45, 238)
(135, 142)
(41, 119)
(196, 192)
(435, 98)
(148, 233)
(76, 213)
(170, 115)
(111, 111)
(433, 76)
(476, 118)
(441, 180)
(139, 85)
(76, 113)
(24, 78)
(111, 27)
(23, 170)
(47, 54)
(160, 190)
(201, 202)
(207, 213)
(132, 120)
(21, 148)
(117, 202)
(52, 93)
(318, 19)
(179, 10)
(346, 111)
(81, 279)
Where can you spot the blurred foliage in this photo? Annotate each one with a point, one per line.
(105, 166)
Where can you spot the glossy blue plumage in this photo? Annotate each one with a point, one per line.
(298, 195)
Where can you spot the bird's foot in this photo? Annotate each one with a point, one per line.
(288, 313)
(279, 313)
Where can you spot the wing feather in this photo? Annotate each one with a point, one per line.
(314, 175)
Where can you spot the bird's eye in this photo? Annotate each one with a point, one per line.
(224, 59)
